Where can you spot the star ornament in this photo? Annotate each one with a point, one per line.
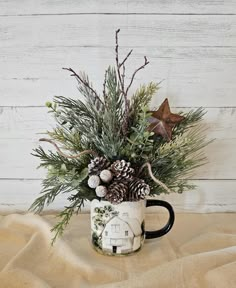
(163, 121)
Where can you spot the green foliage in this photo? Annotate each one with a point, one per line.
(70, 140)
(142, 98)
(139, 144)
(110, 140)
(192, 118)
(95, 123)
(91, 99)
(63, 176)
(84, 125)
(174, 161)
(66, 214)
(74, 115)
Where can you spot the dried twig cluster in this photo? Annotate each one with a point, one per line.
(121, 77)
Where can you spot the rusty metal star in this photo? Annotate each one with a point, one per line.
(163, 121)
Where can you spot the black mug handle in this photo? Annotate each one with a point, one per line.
(169, 224)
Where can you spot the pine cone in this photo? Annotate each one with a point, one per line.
(122, 170)
(117, 192)
(138, 189)
(97, 165)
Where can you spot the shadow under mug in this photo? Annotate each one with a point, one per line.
(120, 229)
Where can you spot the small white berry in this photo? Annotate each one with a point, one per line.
(93, 181)
(101, 191)
(106, 176)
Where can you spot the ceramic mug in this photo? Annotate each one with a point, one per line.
(120, 229)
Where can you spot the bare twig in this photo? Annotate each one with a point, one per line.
(135, 72)
(104, 86)
(121, 80)
(123, 75)
(123, 62)
(69, 156)
(117, 62)
(149, 167)
(84, 82)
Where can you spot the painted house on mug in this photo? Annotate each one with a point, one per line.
(121, 234)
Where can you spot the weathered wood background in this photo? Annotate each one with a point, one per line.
(190, 44)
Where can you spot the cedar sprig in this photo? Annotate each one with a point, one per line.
(51, 189)
(174, 161)
(66, 214)
(191, 118)
(86, 88)
(140, 99)
(70, 140)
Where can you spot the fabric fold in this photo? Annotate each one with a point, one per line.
(201, 255)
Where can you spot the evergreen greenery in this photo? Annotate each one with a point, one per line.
(95, 122)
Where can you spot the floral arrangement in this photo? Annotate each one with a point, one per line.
(114, 147)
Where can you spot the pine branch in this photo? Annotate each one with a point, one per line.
(54, 159)
(142, 98)
(71, 141)
(85, 152)
(100, 130)
(140, 142)
(111, 139)
(174, 161)
(192, 118)
(66, 215)
(85, 83)
(49, 194)
(72, 110)
(62, 178)
(83, 118)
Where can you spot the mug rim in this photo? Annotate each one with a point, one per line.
(106, 201)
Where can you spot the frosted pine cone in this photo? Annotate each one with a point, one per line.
(117, 192)
(97, 165)
(122, 170)
(138, 189)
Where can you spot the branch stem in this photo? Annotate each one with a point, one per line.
(123, 62)
(149, 167)
(68, 156)
(121, 77)
(146, 62)
(117, 62)
(84, 82)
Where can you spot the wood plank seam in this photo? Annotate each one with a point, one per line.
(113, 13)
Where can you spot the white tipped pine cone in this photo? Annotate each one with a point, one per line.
(93, 181)
(98, 164)
(116, 193)
(138, 189)
(122, 170)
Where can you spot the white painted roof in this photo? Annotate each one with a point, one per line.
(134, 225)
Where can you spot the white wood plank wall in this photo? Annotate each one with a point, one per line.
(190, 44)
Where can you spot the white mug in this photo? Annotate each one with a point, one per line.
(120, 229)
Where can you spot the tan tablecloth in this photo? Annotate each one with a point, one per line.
(200, 251)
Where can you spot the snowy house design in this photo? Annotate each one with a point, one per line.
(121, 234)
